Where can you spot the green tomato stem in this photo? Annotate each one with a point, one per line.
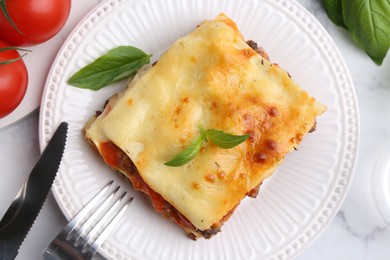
(3, 7)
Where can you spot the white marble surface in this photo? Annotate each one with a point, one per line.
(358, 231)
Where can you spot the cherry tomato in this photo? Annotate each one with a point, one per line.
(13, 80)
(38, 20)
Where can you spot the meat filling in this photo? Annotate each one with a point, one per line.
(118, 160)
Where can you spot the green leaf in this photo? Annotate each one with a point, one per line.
(117, 64)
(188, 154)
(369, 23)
(224, 140)
(334, 11)
(367, 20)
(218, 137)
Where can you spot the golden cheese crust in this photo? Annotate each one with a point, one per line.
(210, 78)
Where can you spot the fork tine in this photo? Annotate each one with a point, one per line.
(87, 208)
(110, 226)
(102, 220)
(82, 230)
(81, 238)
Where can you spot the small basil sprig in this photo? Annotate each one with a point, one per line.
(188, 154)
(218, 137)
(224, 140)
(117, 64)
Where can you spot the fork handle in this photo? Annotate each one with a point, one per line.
(60, 254)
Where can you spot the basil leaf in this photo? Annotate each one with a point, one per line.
(218, 137)
(334, 11)
(369, 23)
(367, 20)
(188, 154)
(117, 64)
(224, 140)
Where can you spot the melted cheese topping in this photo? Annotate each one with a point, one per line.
(209, 78)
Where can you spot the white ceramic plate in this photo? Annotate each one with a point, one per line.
(294, 205)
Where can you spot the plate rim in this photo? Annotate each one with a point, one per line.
(343, 185)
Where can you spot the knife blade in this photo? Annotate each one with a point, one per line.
(24, 209)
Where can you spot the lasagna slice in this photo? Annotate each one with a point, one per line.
(210, 78)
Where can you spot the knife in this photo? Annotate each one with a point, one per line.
(21, 214)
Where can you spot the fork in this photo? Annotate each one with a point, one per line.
(86, 232)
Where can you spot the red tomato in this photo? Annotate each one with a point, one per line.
(38, 20)
(13, 80)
